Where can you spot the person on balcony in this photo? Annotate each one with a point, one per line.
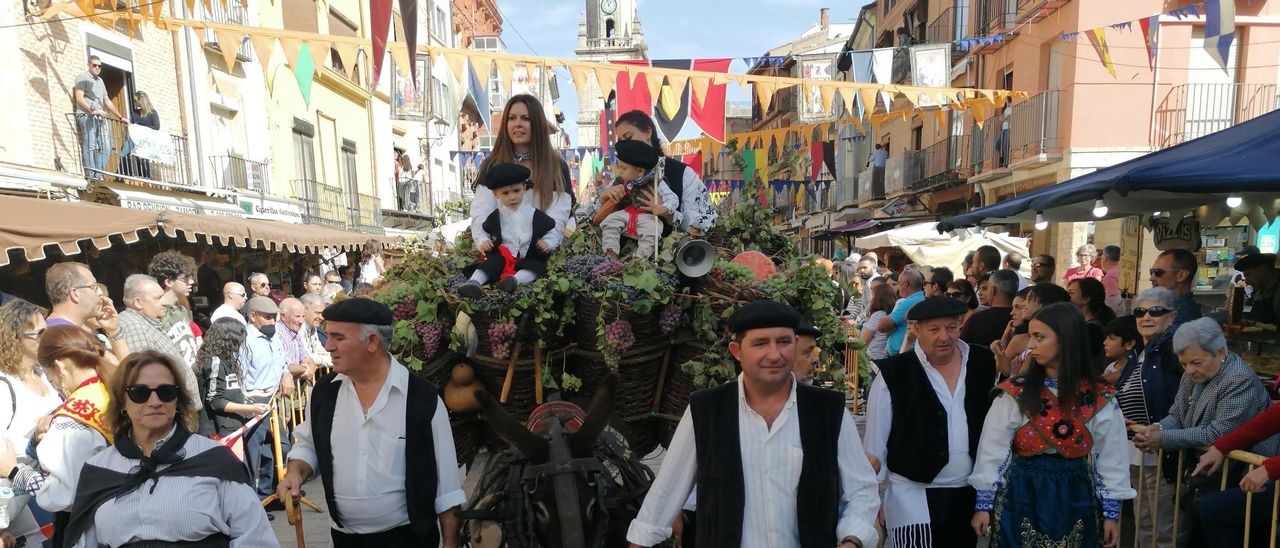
(879, 157)
(89, 97)
(142, 115)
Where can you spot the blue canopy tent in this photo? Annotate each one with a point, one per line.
(1200, 174)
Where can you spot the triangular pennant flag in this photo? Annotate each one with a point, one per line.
(1098, 38)
(698, 86)
(349, 55)
(581, 81)
(229, 43)
(606, 78)
(319, 52)
(263, 47)
(744, 83)
(291, 47)
(304, 71)
(941, 115)
(847, 95)
(409, 19)
(979, 110)
(654, 83)
(483, 65)
(505, 68)
(380, 11)
(868, 96)
(458, 66)
(827, 92)
(1150, 35)
(634, 73)
(400, 58)
(750, 61)
(678, 82)
(1219, 30)
(764, 94)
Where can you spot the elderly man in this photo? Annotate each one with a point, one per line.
(1043, 269)
(290, 338)
(314, 336)
(924, 420)
(775, 462)
(1260, 273)
(259, 284)
(176, 274)
(1013, 261)
(909, 291)
(1175, 270)
(379, 438)
(265, 372)
(1218, 394)
(233, 301)
(141, 328)
(987, 325)
(77, 300)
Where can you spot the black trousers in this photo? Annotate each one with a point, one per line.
(400, 537)
(950, 511)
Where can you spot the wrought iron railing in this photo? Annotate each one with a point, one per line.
(1033, 126)
(1190, 111)
(996, 16)
(365, 212)
(933, 165)
(233, 172)
(871, 184)
(323, 202)
(107, 151)
(902, 65)
(232, 13)
(942, 29)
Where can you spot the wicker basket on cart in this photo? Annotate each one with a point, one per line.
(593, 313)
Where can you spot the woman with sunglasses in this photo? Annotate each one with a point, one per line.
(26, 397)
(1051, 460)
(73, 360)
(962, 290)
(158, 484)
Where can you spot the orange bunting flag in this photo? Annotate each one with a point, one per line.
(1098, 38)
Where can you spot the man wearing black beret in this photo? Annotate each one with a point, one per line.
(775, 462)
(924, 419)
(380, 440)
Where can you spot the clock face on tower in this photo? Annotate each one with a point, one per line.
(609, 6)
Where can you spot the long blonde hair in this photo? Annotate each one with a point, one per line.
(143, 101)
(545, 163)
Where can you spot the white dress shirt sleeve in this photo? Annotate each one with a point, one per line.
(559, 211)
(1110, 458)
(62, 453)
(859, 490)
(247, 524)
(995, 448)
(448, 482)
(879, 423)
(304, 446)
(670, 489)
(482, 204)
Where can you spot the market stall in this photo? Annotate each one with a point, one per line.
(923, 244)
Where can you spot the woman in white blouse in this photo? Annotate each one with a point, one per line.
(159, 484)
(26, 396)
(524, 138)
(1053, 462)
(697, 214)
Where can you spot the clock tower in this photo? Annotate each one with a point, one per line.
(608, 30)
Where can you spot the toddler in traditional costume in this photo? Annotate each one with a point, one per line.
(516, 250)
(628, 217)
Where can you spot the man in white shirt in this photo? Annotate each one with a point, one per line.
(233, 299)
(924, 419)
(755, 448)
(368, 419)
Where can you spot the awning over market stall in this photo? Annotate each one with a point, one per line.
(31, 224)
(924, 245)
(1241, 161)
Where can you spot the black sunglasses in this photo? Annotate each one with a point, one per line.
(141, 393)
(1155, 311)
(958, 295)
(1159, 272)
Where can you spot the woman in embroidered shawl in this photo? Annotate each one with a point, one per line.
(1052, 464)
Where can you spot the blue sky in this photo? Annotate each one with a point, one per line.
(673, 29)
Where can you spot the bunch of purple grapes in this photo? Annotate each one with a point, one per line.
(405, 310)
(608, 269)
(432, 334)
(669, 318)
(579, 267)
(618, 336)
(501, 336)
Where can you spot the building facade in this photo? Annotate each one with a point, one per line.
(608, 30)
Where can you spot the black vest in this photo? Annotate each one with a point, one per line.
(917, 446)
(419, 450)
(721, 487)
(673, 175)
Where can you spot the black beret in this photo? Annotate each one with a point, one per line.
(807, 329)
(1256, 259)
(936, 307)
(763, 314)
(505, 175)
(637, 153)
(358, 310)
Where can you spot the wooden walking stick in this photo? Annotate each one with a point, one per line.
(511, 363)
(537, 374)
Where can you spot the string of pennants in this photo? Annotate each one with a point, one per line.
(776, 192)
(1219, 32)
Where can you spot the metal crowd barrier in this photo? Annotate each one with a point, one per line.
(288, 412)
(1251, 460)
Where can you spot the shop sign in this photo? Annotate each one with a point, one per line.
(897, 208)
(271, 210)
(1185, 234)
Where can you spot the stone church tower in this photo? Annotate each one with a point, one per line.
(608, 30)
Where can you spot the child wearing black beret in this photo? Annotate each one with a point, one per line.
(516, 249)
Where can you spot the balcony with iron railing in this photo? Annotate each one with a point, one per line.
(935, 166)
(870, 184)
(364, 213)
(902, 170)
(1189, 111)
(323, 203)
(236, 173)
(230, 13)
(1032, 138)
(624, 42)
(996, 16)
(902, 65)
(114, 149)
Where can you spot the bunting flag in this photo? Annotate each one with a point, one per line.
(749, 158)
(815, 157)
(694, 161)
(1098, 38)
(672, 101)
(829, 158)
(1151, 36)
(380, 11)
(304, 70)
(1219, 30)
(409, 18)
(708, 111)
(882, 71)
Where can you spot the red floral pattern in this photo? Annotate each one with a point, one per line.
(87, 405)
(1048, 428)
